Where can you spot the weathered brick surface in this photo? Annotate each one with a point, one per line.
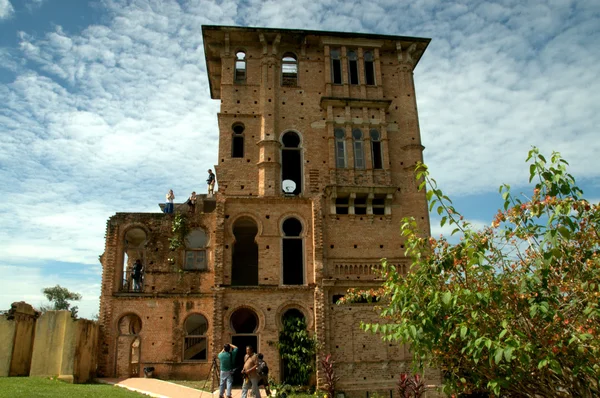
(339, 250)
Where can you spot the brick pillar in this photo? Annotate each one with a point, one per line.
(109, 260)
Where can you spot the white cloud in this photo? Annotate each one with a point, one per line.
(6, 9)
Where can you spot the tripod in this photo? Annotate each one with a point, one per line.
(213, 374)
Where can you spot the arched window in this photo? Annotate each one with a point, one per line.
(195, 250)
(352, 67)
(291, 160)
(195, 347)
(340, 148)
(237, 140)
(359, 153)
(289, 70)
(376, 149)
(293, 252)
(240, 67)
(336, 66)
(134, 249)
(369, 68)
(244, 261)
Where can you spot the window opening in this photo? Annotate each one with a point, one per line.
(340, 148)
(352, 67)
(336, 297)
(195, 342)
(134, 256)
(291, 160)
(360, 205)
(237, 143)
(244, 321)
(376, 149)
(289, 70)
(244, 264)
(336, 66)
(240, 67)
(342, 205)
(195, 253)
(378, 206)
(359, 155)
(293, 252)
(369, 68)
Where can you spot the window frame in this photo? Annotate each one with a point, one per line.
(353, 75)
(194, 336)
(375, 152)
(236, 78)
(336, 59)
(292, 79)
(358, 147)
(342, 141)
(369, 72)
(195, 252)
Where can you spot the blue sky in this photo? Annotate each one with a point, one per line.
(105, 105)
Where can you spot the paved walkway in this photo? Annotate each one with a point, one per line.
(164, 389)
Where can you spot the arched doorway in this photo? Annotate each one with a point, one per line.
(244, 261)
(297, 349)
(291, 160)
(244, 323)
(129, 346)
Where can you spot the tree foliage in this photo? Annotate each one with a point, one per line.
(512, 308)
(59, 297)
(298, 351)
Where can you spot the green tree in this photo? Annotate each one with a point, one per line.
(298, 351)
(59, 297)
(513, 308)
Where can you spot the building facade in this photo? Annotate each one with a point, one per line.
(319, 136)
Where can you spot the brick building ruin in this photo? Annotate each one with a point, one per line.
(335, 113)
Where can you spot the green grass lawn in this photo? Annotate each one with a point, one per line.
(34, 387)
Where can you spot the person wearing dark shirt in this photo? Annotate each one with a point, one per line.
(210, 181)
(137, 275)
(227, 364)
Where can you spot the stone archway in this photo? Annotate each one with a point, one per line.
(129, 344)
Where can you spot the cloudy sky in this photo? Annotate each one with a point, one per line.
(104, 105)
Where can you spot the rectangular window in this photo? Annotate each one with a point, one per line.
(341, 205)
(336, 71)
(376, 153)
(359, 156)
(360, 205)
(353, 71)
(340, 154)
(370, 73)
(195, 260)
(379, 206)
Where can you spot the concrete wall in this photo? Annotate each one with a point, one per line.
(64, 347)
(7, 336)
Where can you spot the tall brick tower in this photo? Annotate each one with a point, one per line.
(318, 138)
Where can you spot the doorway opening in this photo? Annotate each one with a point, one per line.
(244, 323)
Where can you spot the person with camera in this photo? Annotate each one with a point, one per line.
(227, 364)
